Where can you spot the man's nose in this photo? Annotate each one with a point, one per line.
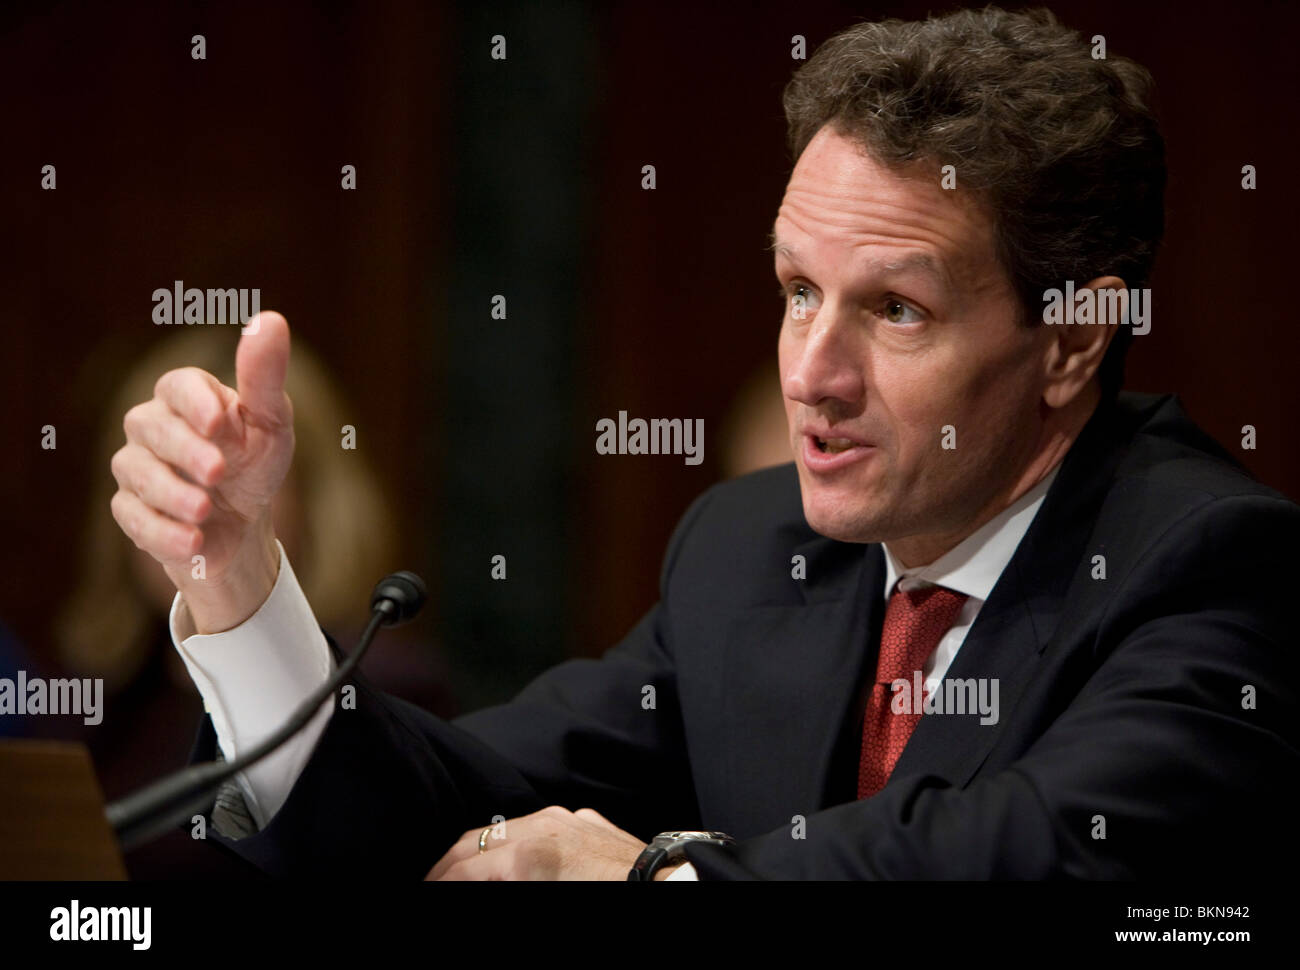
(827, 361)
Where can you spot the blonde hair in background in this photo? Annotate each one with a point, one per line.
(755, 433)
(346, 537)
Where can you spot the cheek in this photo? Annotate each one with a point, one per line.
(913, 404)
(976, 382)
(1003, 395)
(784, 361)
(990, 409)
(784, 353)
(924, 408)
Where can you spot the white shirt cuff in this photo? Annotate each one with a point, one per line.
(683, 873)
(253, 677)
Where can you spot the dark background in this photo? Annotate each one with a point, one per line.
(523, 177)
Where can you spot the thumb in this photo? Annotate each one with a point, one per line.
(261, 363)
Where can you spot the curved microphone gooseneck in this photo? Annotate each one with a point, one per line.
(162, 805)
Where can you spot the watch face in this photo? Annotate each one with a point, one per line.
(668, 846)
(666, 839)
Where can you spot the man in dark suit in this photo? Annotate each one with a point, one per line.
(996, 620)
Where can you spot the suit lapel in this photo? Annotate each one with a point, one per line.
(793, 671)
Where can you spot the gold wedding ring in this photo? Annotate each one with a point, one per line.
(482, 839)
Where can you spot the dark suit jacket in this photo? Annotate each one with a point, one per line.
(1156, 706)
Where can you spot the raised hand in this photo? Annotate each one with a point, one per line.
(201, 465)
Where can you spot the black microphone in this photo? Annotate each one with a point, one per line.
(163, 805)
(400, 596)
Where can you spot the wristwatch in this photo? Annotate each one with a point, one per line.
(667, 847)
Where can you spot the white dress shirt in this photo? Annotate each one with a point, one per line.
(253, 676)
(971, 567)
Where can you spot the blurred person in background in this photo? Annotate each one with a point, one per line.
(755, 432)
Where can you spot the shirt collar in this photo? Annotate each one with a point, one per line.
(974, 564)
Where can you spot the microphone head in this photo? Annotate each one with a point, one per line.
(400, 596)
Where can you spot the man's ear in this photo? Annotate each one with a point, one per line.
(1075, 350)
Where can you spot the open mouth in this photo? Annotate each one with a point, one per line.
(833, 446)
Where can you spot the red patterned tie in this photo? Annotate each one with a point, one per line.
(915, 622)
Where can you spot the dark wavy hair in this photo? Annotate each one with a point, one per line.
(1062, 149)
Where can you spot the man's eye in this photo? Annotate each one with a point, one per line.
(895, 311)
(800, 298)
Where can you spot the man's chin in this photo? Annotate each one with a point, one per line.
(843, 524)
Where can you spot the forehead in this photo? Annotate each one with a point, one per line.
(840, 199)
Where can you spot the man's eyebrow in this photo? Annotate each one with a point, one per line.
(912, 261)
(922, 261)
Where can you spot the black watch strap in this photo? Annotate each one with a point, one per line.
(667, 846)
